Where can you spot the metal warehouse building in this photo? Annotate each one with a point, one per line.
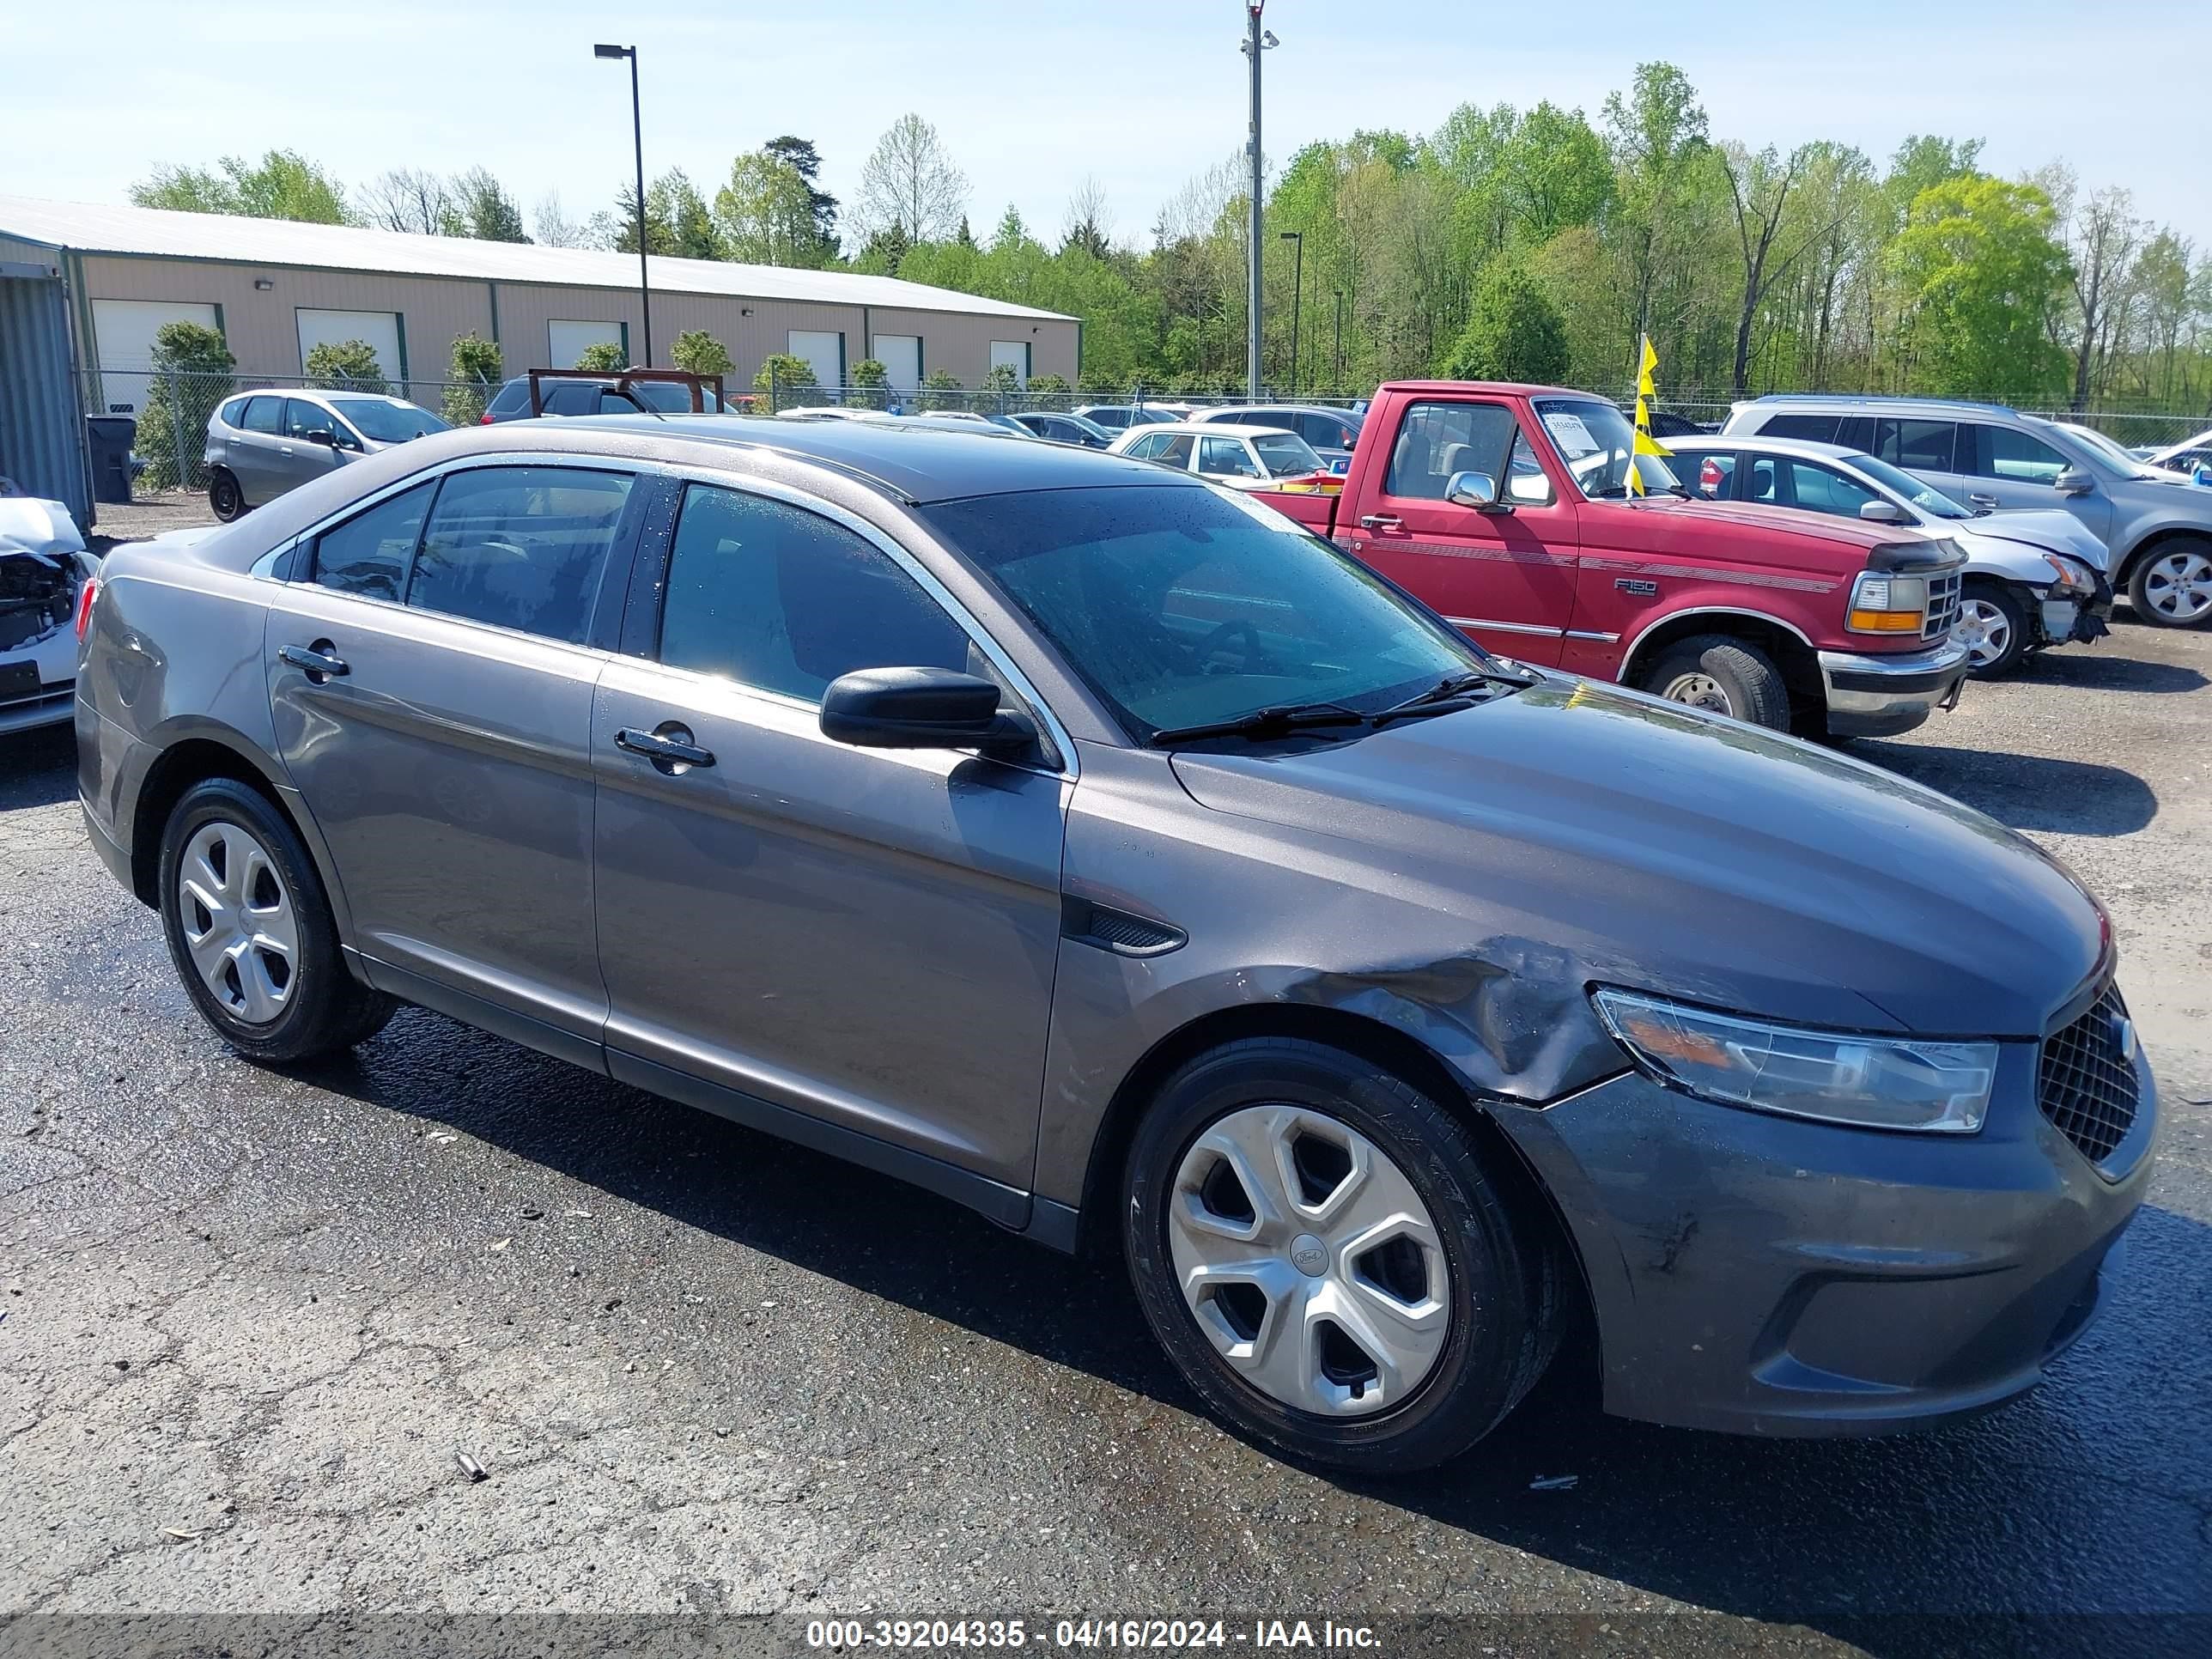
(275, 289)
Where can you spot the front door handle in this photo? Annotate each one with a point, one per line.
(1987, 503)
(1381, 521)
(316, 659)
(668, 746)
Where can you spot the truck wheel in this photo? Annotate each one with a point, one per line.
(1325, 1255)
(2172, 586)
(225, 499)
(1994, 627)
(1726, 675)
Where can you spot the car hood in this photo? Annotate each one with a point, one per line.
(2050, 529)
(1650, 845)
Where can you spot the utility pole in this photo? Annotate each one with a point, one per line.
(1257, 41)
(637, 136)
(1297, 291)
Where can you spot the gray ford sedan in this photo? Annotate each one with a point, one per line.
(1099, 850)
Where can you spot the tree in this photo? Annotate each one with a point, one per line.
(485, 210)
(1048, 386)
(284, 185)
(1088, 225)
(697, 352)
(871, 384)
(346, 366)
(475, 372)
(1980, 267)
(1513, 332)
(678, 221)
(1759, 190)
(1658, 138)
(554, 228)
(999, 380)
(2104, 235)
(787, 382)
(765, 215)
(193, 372)
(603, 357)
(800, 155)
(413, 201)
(911, 184)
(938, 390)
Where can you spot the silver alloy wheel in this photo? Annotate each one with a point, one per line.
(1983, 629)
(1309, 1261)
(2178, 586)
(238, 922)
(1699, 690)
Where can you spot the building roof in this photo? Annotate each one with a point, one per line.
(158, 232)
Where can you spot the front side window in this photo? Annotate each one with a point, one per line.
(1434, 440)
(264, 415)
(368, 554)
(520, 547)
(1225, 457)
(782, 599)
(2008, 453)
(1181, 606)
(1819, 490)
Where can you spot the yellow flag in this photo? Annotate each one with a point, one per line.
(1644, 443)
(1643, 387)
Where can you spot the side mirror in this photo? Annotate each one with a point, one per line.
(1885, 513)
(1476, 489)
(2073, 482)
(919, 708)
(326, 440)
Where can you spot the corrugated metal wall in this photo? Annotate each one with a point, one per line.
(42, 434)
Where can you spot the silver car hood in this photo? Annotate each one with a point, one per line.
(2051, 529)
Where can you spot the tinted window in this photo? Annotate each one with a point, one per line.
(782, 600)
(1916, 446)
(1225, 457)
(1175, 449)
(515, 394)
(2004, 451)
(520, 547)
(264, 415)
(569, 398)
(1437, 440)
(233, 412)
(1814, 428)
(1143, 448)
(1320, 431)
(389, 424)
(301, 417)
(1819, 490)
(1760, 480)
(368, 555)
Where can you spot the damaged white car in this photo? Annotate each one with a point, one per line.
(42, 570)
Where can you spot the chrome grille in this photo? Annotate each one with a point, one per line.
(1943, 606)
(2087, 1084)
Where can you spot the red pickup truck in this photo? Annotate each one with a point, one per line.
(1506, 509)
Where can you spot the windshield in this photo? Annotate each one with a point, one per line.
(672, 400)
(1180, 606)
(1286, 455)
(387, 423)
(1596, 442)
(1917, 491)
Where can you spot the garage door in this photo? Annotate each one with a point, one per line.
(901, 357)
(1015, 354)
(124, 330)
(822, 353)
(378, 329)
(565, 341)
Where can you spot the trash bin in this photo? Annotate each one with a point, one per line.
(111, 437)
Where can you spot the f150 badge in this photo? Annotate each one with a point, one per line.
(1637, 586)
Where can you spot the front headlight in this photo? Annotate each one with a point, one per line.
(1833, 1076)
(1882, 604)
(2072, 577)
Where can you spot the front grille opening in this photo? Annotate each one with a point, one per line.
(1224, 1196)
(1322, 1166)
(1344, 1362)
(2086, 1086)
(1243, 1307)
(1397, 1269)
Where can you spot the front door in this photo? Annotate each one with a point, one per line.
(866, 936)
(2006, 467)
(1507, 577)
(431, 684)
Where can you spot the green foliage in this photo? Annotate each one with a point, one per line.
(787, 382)
(484, 211)
(603, 357)
(870, 382)
(764, 214)
(701, 353)
(1000, 379)
(1979, 270)
(283, 185)
(935, 386)
(1513, 332)
(193, 372)
(346, 366)
(475, 374)
(1048, 386)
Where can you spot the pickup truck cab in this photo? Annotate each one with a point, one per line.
(1507, 509)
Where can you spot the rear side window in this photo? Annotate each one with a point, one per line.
(1175, 450)
(369, 553)
(782, 599)
(1321, 431)
(520, 547)
(264, 415)
(1225, 457)
(233, 412)
(1813, 429)
(514, 395)
(570, 397)
(1916, 446)
(1438, 440)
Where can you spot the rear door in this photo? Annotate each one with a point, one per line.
(1507, 577)
(430, 679)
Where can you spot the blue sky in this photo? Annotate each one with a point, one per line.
(1031, 97)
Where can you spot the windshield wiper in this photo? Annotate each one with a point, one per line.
(1446, 696)
(1263, 723)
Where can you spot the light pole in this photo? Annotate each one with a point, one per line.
(1257, 41)
(637, 136)
(1297, 290)
(1336, 379)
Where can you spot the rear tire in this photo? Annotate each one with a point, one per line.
(249, 930)
(225, 499)
(1360, 1291)
(2171, 586)
(1723, 675)
(1994, 625)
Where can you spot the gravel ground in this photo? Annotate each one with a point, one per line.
(148, 515)
(252, 1317)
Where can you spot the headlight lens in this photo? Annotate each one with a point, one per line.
(2072, 577)
(1833, 1076)
(1882, 604)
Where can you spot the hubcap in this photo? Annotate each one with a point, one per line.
(2179, 586)
(1699, 691)
(1309, 1261)
(1985, 630)
(237, 922)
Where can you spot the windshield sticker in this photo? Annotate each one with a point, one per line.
(1569, 432)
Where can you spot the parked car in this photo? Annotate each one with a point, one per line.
(2034, 579)
(1333, 432)
(1241, 457)
(1509, 510)
(1057, 427)
(2157, 525)
(2191, 456)
(260, 444)
(44, 566)
(612, 396)
(1119, 417)
(1666, 426)
(1095, 849)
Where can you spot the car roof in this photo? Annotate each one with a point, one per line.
(1752, 440)
(1821, 400)
(1220, 429)
(1226, 410)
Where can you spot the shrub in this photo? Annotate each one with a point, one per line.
(346, 366)
(1000, 379)
(871, 384)
(1513, 332)
(1048, 386)
(603, 357)
(698, 352)
(193, 371)
(475, 373)
(935, 386)
(787, 382)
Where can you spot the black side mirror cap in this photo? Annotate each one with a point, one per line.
(2074, 482)
(921, 708)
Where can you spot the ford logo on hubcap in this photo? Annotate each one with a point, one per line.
(1309, 1256)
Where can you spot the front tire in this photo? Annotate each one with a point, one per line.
(1725, 675)
(1329, 1258)
(2171, 586)
(249, 930)
(225, 499)
(1994, 627)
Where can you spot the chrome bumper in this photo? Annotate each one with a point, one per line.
(1880, 696)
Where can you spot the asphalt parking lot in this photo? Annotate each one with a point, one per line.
(251, 1318)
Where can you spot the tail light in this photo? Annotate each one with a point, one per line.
(485, 419)
(84, 598)
(1709, 477)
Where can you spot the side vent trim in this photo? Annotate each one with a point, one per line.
(1120, 932)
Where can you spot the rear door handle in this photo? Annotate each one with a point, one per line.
(316, 659)
(669, 748)
(1381, 521)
